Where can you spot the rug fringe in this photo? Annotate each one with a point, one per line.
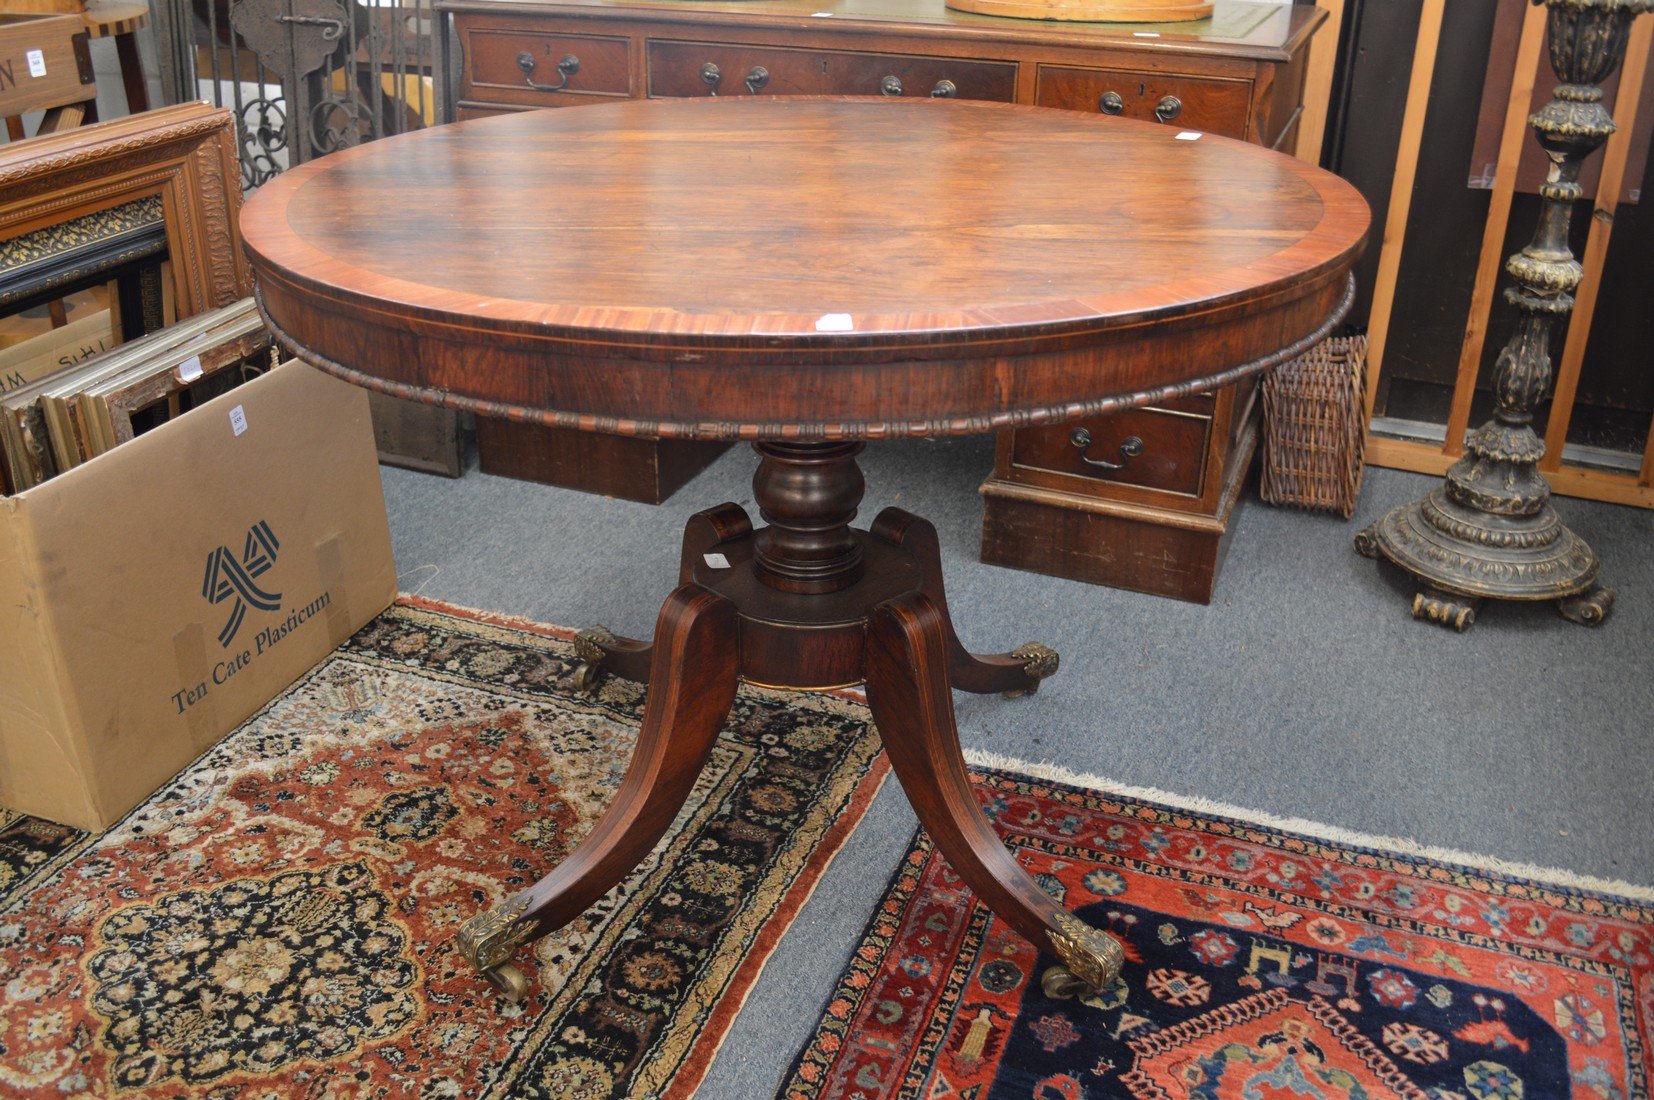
(492, 618)
(1196, 804)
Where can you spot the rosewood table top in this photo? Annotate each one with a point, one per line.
(806, 267)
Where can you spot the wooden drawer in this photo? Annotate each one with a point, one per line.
(1175, 439)
(1215, 106)
(676, 69)
(495, 71)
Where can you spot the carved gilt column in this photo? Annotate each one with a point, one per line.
(1489, 531)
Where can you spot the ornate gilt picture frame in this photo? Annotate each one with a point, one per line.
(185, 155)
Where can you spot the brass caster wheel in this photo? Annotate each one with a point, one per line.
(1446, 609)
(1062, 984)
(587, 677)
(1090, 959)
(487, 940)
(1038, 662)
(509, 981)
(588, 646)
(1588, 608)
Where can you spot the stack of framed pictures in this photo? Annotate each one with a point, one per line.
(78, 413)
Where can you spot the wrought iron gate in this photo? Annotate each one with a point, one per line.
(304, 77)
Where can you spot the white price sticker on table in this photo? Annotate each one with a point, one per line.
(37, 63)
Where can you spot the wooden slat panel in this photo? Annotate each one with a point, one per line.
(1323, 60)
(1416, 456)
(1609, 189)
(1515, 136)
(1401, 191)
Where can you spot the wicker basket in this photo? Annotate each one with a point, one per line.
(1312, 430)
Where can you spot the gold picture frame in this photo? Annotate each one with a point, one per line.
(185, 154)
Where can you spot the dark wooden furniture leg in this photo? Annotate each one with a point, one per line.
(908, 652)
(602, 652)
(1015, 673)
(804, 603)
(691, 688)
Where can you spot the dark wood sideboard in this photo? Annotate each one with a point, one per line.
(1159, 523)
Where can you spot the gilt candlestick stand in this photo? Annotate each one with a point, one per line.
(1489, 531)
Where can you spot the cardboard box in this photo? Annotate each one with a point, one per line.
(156, 596)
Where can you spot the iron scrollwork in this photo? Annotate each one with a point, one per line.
(332, 29)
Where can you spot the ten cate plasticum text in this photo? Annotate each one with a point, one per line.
(262, 643)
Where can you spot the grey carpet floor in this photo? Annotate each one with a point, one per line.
(1305, 689)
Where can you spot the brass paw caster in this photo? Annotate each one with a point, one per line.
(488, 939)
(1091, 959)
(588, 646)
(1446, 609)
(1588, 608)
(1038, 663)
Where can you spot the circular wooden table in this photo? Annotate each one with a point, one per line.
(806, 274)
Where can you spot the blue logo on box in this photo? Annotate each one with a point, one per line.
(229, 578)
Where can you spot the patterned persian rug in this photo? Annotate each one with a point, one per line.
(1264, 962)
(279, 920)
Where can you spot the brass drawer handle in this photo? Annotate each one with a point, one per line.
(565, 68)
(756, 79)
(891, 85)
(1111, 103)
(1168, 108)
(710, 75)
(1130, 449)
(944, 89)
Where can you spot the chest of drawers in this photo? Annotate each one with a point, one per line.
(1159, 524)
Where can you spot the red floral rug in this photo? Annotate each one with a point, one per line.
(1263, 963)
(278, 921)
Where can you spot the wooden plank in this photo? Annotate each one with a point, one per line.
(1323, 60)
(1645, 477)
(1420, 457)
(1611, 488)
(1412, 455)
(1401, 192)
(1513, 138)
(1609, 188)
